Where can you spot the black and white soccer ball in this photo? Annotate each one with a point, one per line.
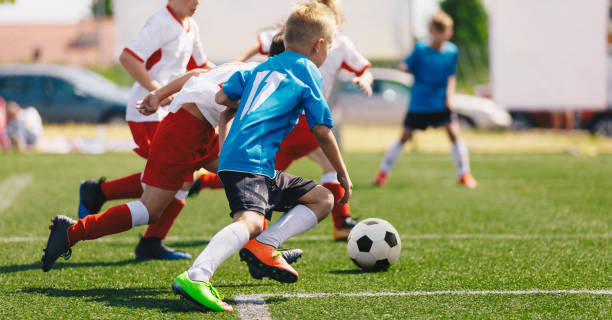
(374, 244)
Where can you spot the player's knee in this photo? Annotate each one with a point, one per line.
(326, 201)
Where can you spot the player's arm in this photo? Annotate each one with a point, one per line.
(164, 95)
(450, 91)
(248, 53)
(225, 123)
(403, 67)
(138, 71)
(327, 142)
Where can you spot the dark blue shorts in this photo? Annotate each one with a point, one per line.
(260, 193)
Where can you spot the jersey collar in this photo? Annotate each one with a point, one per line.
(187, 28)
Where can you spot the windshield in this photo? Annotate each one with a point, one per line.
(92, 82)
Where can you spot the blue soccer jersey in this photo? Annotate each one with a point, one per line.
(431, 69)
(272, 97)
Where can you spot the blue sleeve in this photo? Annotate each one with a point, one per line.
(235, 85)
(313, 101)
(411, 60)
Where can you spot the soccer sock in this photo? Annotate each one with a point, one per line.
(297, 220)
(128, 187)
(390, 157)
(161, 228)
(461, 158)
(210, 180)
(340, 211)
(114, 220)
(222, 246)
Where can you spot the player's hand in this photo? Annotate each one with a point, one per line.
(149, 104)
(167, 101)
(365, 87)
(347, 184)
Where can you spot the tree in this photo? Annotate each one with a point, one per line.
(7, 1)
(471, 22)
(101, 8)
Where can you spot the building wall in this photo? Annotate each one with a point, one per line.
(76, 44)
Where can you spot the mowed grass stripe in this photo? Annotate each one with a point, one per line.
(10, 188)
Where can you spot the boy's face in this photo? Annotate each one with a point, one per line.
(319, 51)
(441, 35)
(185, 8)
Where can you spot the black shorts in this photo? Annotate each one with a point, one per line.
(256, 192)
(421, 121)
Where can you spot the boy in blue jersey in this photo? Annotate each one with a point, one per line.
(434, 66)
(264, 105)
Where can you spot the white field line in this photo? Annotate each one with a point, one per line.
(405, 237)
(254, 306)
(10, 188)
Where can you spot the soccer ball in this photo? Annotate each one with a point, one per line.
(374, 244)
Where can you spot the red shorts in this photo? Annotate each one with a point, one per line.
(143, 132)
(298, 143)
(182, 144)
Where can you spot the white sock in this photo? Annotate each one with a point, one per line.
(297, 220)
(390, 157)
(140, 214)
(329, 177)
(461, 158)
(222, 246)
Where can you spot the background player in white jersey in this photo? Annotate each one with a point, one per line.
(166, 46)
(300, 141)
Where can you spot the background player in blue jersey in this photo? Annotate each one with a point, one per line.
(264, 105)
(434, 66)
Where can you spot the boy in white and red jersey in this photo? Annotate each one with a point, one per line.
(166, 46)
(300, 141)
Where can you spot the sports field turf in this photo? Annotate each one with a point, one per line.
(536, 222)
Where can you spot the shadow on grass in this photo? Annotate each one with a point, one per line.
(352, 271)
(124, 297)
(187, 244)
(61, 265)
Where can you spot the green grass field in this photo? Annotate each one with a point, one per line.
(536, 222)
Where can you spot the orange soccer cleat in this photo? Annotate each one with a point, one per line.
(381, 178)
(468, 181)
(269, 262)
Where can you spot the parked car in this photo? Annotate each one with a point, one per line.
(64, 93)
(389, 101)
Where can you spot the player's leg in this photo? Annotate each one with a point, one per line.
(391, 155)
(341, 213)
(460, 155)
(194, 283)
(66, 232)
(305, 204)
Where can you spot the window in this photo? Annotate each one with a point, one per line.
(58, 89)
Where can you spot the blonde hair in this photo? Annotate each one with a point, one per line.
(307, 21)
(335, 7)
(441, 21)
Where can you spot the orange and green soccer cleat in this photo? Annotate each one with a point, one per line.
(341, 233)
(267, 261)
(468, 181)
(381, 178)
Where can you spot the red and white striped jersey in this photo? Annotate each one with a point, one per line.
(342, 55)
(167, 48)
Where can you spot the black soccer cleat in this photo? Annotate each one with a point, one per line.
(57, 245)
(91, 197)
(153, 249)
(194, 190)
(290, 255)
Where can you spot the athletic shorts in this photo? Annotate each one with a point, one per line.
(299, 143)
(181, 145)
(421, 121)
(259, 193)
(143, 133)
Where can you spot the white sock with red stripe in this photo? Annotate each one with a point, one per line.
(461, 158)
(391, 156)
(297, 220)
(222, 246)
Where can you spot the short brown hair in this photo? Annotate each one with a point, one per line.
(335, 7)
(441, 21)
(307, 21)
(277, 46)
